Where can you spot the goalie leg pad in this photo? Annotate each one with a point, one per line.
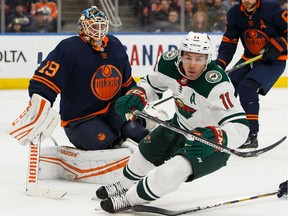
(130, 144)
(98, 167)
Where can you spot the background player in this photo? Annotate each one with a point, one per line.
(205, 104)
(262, 28)
(90, 72)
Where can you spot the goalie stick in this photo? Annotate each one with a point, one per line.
(207, 141)
(32, 188)
(156, 210)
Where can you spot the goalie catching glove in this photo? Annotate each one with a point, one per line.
(274, 49)
(38, 118)
(201, 150)
(135, 99)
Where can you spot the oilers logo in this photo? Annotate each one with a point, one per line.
(255, 40)
(106, 82)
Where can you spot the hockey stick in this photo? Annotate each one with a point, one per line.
(161, 101)
(156, 210)
(32, 188)
(244, 63)
(204, 140)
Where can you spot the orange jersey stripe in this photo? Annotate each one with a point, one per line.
(128, 82)
(227, 40)
(105, 110)
(47, 82)
(252, 117)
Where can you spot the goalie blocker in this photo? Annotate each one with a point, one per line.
(38, 118)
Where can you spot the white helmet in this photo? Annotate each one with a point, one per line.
(93, 26)
(196, 43)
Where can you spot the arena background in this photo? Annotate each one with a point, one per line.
(20, 54)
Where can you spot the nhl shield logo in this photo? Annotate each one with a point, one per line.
(213, 76)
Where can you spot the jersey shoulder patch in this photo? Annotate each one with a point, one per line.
(213, 76)
(169, 55)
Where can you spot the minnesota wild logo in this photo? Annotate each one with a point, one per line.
(213, 76)
(171, 54)
(183, 109)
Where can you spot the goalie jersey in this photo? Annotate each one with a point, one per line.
(89, 81)
(207, 101)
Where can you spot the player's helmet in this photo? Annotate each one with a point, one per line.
(93, 26)
(195, 43)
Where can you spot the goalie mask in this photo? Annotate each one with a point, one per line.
(93, 26)
(195, 43)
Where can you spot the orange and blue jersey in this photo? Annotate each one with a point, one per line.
(88, 81)
(253, 29)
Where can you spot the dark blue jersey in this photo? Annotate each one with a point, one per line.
(254, 29)
(89, 81)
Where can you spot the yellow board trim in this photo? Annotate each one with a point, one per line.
(14, 83)
(23, 83)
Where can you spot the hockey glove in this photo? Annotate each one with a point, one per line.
(135, 99)
(282, 189)
(201, 150)
(274, 48)
(38, 118)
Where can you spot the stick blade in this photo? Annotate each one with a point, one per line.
(45, 193)
(153, 210)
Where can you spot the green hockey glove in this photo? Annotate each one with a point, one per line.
(135, 99)
(201, 150)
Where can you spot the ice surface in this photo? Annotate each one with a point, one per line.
(240, 178)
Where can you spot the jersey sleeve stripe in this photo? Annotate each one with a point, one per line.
(47, 83)
(233, 117)
(128, 82)
(227, 40)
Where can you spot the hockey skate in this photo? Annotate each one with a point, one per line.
(251, 142)
(105, 192)
(115, 204)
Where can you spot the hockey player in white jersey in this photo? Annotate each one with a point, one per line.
(205, 105)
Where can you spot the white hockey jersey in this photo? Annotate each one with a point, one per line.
(207, 101)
